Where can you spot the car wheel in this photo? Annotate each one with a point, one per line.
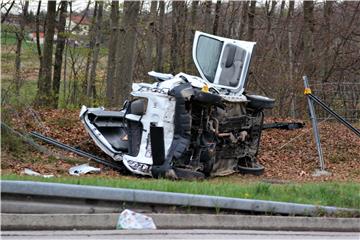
(248, 165)
(256, 170)
(258, 102)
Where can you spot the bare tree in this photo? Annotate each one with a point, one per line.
(224, 22)
(192, 29)
(126, 51)
(308, 35)
(282, 7)
(151, 35)
(43, 97)
(287, 34)
(91, 89)
(235, 7)
(251, 23)
(160, 37)
(291, 57)
(7, 12)
(243, 19)
(207, 23)
(60, 44)
(182, 20)
(92, 41)
(270, 8)
(175, 16)
(217, 16)
(114, 24)
(19, 39)
(37, 26)
(65, 85)
(82, 17)
(328, 5)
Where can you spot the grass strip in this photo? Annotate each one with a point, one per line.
(337, 194)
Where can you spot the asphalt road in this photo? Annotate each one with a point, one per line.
(175, 234)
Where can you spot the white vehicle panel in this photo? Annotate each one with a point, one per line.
(245, 46)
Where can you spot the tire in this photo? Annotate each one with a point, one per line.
(208, 98)
(258, 102)
(248, 165)
(256, 170)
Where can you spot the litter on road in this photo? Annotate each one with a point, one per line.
(131, 220)
(30, 172)
(83, 169)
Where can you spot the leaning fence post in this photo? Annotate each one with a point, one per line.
(314, 123)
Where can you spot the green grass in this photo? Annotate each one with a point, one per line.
(329, 194)
(9, 39)
(26, 96)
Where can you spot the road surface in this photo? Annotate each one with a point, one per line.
(175, 234)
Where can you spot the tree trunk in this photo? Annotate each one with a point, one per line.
(176, 6)
(7, 12)
(60, 44)
(44, 87)
(126, 51)
(65, 85)
(160, 37)
(37, 26)
(251, 24)
(151, 36)
(243, 19)
(281, 12)
(291, 58)
(328, 5)
(207, 24)
(224, 20)
(114, 24)
(91, 88)
(217, 16)
(182, 20)
(192, 29)
(270, 8)
(235, 9)
(19, 38)
(308, 37)
(92, 41)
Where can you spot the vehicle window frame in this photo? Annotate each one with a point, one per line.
(217, 61)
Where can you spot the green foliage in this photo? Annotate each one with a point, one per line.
(26, 96)
(12, 143)
(7, 38)
(329, 194)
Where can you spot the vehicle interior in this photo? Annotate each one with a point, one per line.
(208, 53)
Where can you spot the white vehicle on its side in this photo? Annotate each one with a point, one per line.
(186, 126)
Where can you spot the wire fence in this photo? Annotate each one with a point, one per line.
(342, 97)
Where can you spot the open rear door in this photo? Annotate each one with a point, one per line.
(222, 62)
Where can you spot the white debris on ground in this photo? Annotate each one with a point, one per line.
(83, 169)
(131, 220)
(28, 171)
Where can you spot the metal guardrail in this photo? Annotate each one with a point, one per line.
(146, 197)
(77, 151)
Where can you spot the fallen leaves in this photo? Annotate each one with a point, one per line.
(297, 158)
(288, 155)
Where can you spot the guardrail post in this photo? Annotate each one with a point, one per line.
(314, 123)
